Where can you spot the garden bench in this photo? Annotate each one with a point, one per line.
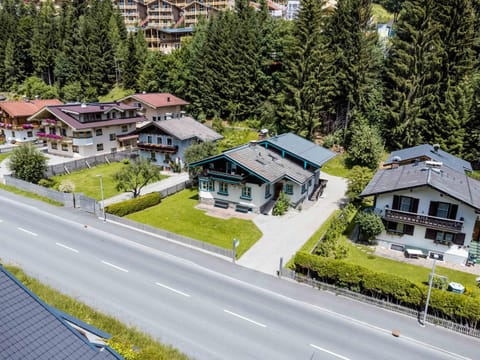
(221, 204)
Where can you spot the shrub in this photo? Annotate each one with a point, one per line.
(67, 186)
(282, 204)
(134, 205)
(357, 181)
(369, 224)
(126, 161)
(49, 183)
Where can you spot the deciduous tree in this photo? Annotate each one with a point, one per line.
(28, 163)
(135, 175)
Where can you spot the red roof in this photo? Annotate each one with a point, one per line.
(26, 107)
(157, 100)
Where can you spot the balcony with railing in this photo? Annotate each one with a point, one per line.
(220, 174)
(171, 149)
(433, 222)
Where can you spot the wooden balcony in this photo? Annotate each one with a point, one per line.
(432, 222)
(223, 175)
(171, 149)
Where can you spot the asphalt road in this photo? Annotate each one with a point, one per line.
(203, 305)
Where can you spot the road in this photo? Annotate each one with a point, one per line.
(203, 305)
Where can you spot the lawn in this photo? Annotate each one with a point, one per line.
(4, 155)
(115, 94)
(29, 194)
(363, 256)
(87, 181)
(177, 214)
(337, 167)
(380, 15)
(475, 174)
(234, 137)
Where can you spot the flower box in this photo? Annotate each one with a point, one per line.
(27, 126)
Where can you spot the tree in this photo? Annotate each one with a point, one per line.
(369, 224)
(197, 152)
(33, 86)
(357, 181)
(135, 175)
(365, 147)
(28, 163)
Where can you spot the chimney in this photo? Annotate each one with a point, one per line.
(168, 98)
(436, 147)
(396, 162)
(262, 134)
(252, 143)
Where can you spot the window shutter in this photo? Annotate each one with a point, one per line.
(452, 214)
(430, 234)
(414, 207)
(459, 239)
(408, 229)
(396, 202)
(432, 211)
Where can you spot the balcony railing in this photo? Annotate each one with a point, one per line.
(425, 220)
(158, 147)
(232, 176)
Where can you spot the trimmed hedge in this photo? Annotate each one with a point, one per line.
(134, 205)
(461, 309)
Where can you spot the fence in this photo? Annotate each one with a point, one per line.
(173, 236)
(66, 167)
(463, 329)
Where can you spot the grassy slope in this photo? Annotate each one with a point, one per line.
(30, 195)
(178, 215)
(115, 94)
(380, 15)
(149, 349)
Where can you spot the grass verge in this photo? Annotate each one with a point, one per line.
(128, 337)
(177, 214)
(337, 166)
(29, 194)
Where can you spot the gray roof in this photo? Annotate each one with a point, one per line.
(184, 128)
(426, 150)
(453, 183)
(267, 164)
(301, 148)
(30, 329)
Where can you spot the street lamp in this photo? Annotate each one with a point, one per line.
(103, 200)
(234, 248)
(430, 283)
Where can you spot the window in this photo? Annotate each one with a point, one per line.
(246, 193)
(75, 148)
(149, 139)
(207, 185)
(54, 146)
(29, 133)
(99, 147)
(169, 141)
(152, 156)
(268, 188)
(443, 237)
(13, 133)
(124, 128)
(304, 188)
(98, 132)
(64, 147)
(405, 203)
(155, 118)
(223, 188)
(159, 140)
(288, 189)
(113, 137)
(443, 210)
(399, 228)
(63, 132)
(113, 150)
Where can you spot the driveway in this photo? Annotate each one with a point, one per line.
(284, 235)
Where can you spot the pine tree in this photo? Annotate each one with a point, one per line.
(130, 66)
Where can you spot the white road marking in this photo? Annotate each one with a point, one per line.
(26, 231)
(114, 266)
(67, 247)
(172, 289)
(1, 221)
(245, 318)
(329, 352)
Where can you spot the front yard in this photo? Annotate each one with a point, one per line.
(87, 182)
(177, 214)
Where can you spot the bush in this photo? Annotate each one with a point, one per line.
(281, 205)
(48, 183)
(134, 205)
(369, 224)
(357, 181)
(126, 161)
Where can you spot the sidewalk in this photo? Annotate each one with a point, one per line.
(284, 235)
(172, 180)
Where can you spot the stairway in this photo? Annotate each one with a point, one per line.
(475, 249)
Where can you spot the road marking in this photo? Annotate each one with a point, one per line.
(67, 247)
(114, 266)
(329, 352)
(245, 318)
(172, 289)
(28, 232)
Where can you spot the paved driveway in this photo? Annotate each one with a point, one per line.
(284, 235)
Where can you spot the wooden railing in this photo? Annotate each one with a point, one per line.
(425, 220)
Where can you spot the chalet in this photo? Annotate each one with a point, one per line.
(80, 130)
(165, 141)
(249, 177)
(32, 329)
(156, 106)
(14, 114)
(427, 205)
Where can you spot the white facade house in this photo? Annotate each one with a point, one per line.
(427, 206)
(249, 177)
(157, 106)
(82, 130)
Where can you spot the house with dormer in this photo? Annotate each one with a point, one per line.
(250, 176)
(82, 130)
(429, 207)
(14, 126)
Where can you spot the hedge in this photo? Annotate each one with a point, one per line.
(134, 205)
(461, 309)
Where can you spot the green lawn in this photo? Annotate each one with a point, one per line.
(234, 137)
(88, 183)
(29, 194)
(177, 214)
(417, 274)
(116, 93)
(4, 155)
(380, 15)
(337, 167)
(475, 174)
